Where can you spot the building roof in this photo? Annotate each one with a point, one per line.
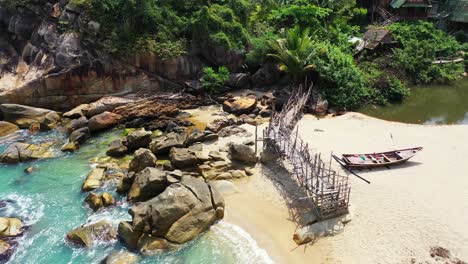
(376, 36)
(410, 3)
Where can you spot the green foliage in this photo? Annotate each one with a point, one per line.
(218, 25)
(304, 16)
(341, 81)
(212, 80)
(261, 48)
(385, 88)
(421, 44)
(293, 53)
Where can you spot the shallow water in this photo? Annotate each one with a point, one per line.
(50, 202)
(429, 105)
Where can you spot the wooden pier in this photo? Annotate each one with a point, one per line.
(328, 191)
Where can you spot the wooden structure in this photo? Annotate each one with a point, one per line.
(328, 190)
(384, 12)
(382, 159)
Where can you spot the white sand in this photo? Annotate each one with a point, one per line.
(396, 219)
(407, 209)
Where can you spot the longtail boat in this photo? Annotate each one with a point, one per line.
(382, 159)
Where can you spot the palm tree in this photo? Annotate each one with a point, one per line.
(293, 53)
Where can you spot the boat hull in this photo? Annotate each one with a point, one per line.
(381, 159)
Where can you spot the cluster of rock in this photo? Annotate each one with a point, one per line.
(10, 230)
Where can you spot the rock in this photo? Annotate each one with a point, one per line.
(163, 144)
(216, 155)
(238, 80)
(4, 247)
(226, 188)
(126, 182)
(77, 112)
(247, 120)
(147, 184)
(143, 158)
(122, 257)
(76, 124)
(266, 113)
(117, 148)
(70, 147)
(200, 136)
(183, 158)
(215, 169)
(106, 104)
(150, 246)
(107, 199)
(241, 152)
(23, 116)
(267, 75)
(234, 130)
(10, 227)
(30, 170)
(240, 105)
(220, 123)
(50, 121)
(94, 201)
(180, 213)
(93, 180)
(103, 121)
(321, 107)
(22, 152)
(87, 235)
(7, 128)
(138, 139)
(249, 171)
(80, 135)
(129, 236)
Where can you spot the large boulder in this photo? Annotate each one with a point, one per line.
(76, 124)
(243, 153)
(22, 152)
(97, 201)
(106, 104)
(147, 184)
(213, 170)
(177, 215)
(121, 257)
(234, 130)
(77, 112)
(10, 227)
(267, 75)
(200, 136)
(183, 158)
(23, 116)
(143, 158)
(7, 128)
(50, 121)
(88, 235)
(4, 248)
(238, 80)
(163, 144)
(138, 139)
(103, 121)
(240, 105)
(93, 180)
(80, 135)
(117, 148)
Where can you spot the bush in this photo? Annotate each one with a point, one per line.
(218, 26)
(212, 80)
(421, 44)
(341, 81)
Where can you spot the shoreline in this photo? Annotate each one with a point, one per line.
(402, 214)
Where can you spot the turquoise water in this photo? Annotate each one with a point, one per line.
(51, 203)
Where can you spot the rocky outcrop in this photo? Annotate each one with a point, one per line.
(138, 139)
(221, 123)
(97, 201)
(88, 235)
(10, 227)
(25, 116)
(240, 105)
(7, 128)
(200, 136)
(80, 135)
(179, 214)
(23, 152)
(243, 153)
(105, 104)
(183, 158)
(143, 158)
(163, 144)
(93, 180)
(122, 257)
(103, 121)
(147, 184)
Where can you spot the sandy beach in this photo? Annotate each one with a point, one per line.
(396, 219)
